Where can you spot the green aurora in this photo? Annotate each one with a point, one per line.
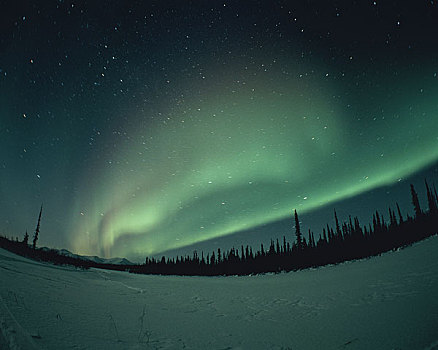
(243, 158)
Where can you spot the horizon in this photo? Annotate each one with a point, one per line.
(206, 247)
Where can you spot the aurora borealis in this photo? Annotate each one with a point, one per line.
(144, 127)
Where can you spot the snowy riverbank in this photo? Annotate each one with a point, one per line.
(386, 302)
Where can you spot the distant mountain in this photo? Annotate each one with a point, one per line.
(96, 259)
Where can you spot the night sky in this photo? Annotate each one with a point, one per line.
(146, 126)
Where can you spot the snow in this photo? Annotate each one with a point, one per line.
(386, 302)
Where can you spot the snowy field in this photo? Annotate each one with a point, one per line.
(387, 302)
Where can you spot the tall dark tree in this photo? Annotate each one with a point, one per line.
(26, 238)
(400, 217)
(436, 195)
(378, 222)
(415, 202)
(430, 199)
(324, 236)
(37, 230)
(392, 219)
(338, 229)
(298, 232)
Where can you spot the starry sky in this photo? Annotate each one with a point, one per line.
(144, 127)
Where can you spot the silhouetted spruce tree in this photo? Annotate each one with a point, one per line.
(338, 229)
(37, 230)
(400, 217)
(298, 232)
(271, 248)
(378, 222)
(415, 202)
(324, 236)
(357, 227)
(26, 239)
(430, 199)
(392, 219)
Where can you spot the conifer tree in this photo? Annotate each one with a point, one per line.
(378, 222)
(357, 228)
(400, 217)
(37, 230)
(430, 199)
(338, 230)
(26, 238)
(298, 232)
(415, 202)
(392, 219)
(436, 195)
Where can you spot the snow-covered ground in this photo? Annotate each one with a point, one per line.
(387, 302)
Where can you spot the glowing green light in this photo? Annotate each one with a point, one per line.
(232, 161)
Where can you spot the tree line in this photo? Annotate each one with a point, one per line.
(24, 248)
(345, 241)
